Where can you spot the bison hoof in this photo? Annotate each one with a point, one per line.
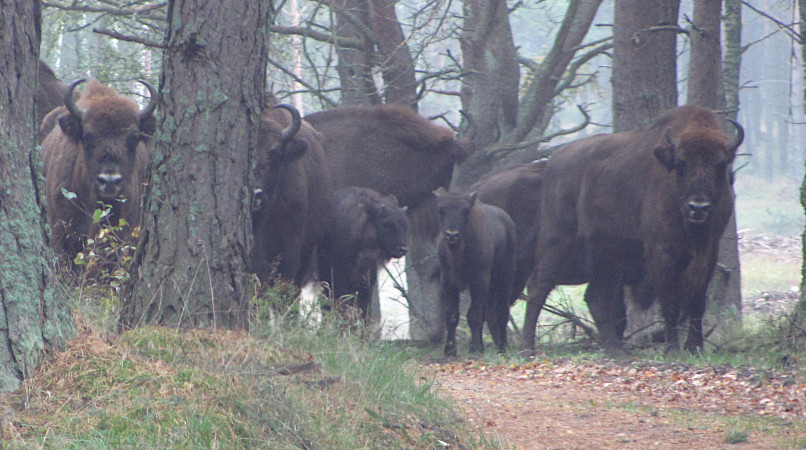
(450, 350)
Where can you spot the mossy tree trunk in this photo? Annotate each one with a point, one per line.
(800, 309)
(191, 267)
(33, 316)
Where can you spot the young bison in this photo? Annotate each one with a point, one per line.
(367, 232)
(476, 250)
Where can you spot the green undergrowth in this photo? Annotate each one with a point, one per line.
(290, 383)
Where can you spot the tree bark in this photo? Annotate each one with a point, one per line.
(34, 316)
(191, 267)
(490, 91)
(799, 315)
(644, 81)
(731, 64)
(644, 61)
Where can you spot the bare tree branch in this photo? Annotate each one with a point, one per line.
(129, 38)
(341, 41)
(147, 10)
(789, 28)
(318, 93)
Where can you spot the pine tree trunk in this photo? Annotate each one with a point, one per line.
(644, 61)
(191, 267)
(644, 81)
(33, 315)
(799, 316)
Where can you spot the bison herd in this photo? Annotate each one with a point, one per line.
(341, 191)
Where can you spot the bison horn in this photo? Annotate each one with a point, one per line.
(70, 104)
(296, 122)
(153, 99)
(737, 141)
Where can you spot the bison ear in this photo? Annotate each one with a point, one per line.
(148, 126)
(392, 199)
(439, 192)
(71, 126)
(473, 197)
(666, 156)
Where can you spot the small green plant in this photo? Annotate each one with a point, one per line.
(736, 437)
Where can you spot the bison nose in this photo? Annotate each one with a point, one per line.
(451, 236)
(258, 198)
(109, 183)
(698, 210)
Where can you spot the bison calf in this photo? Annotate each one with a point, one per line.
(368, 231)
(476, 250)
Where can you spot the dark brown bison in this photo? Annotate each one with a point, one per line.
(649, 207)
(476, 251)
(388, 148)
(394, 150)
(49, 93)
(517, 190)
(98, 152)
(293, 196)
(367, 232)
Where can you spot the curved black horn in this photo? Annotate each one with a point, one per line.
(668, 136)
(296, 122)
(68, 100)
(153, 99)
(737, 141)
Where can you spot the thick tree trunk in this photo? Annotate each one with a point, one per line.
(644, 61)
(355, 65)
(33, 315)
(396, 62)
(191, 267)
(729, 245)
(799, 316)
(644, 81)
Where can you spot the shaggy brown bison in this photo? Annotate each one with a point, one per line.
(388, 148)
(49, 93)
(476, 251)
(367, 232)
(97, 153)
(649, 206)
(293, 196)
(394, 150)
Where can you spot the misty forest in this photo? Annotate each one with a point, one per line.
(365, 223)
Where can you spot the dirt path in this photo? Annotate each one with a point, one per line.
(603, 405)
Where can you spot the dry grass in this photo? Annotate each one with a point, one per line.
(161, 388)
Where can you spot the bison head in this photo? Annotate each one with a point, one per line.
(389, 221)
(278, 146)
(109, 129)
(454, 212)
(700, 161)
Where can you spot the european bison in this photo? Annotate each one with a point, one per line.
(476, 251)
(98, 151)
(388, 148)
(649, 206)
(49, 92)
(293, 196)
(517, 190)
(394, 150)
(367, 232)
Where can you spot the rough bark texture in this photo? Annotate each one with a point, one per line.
(800, 309)
(644, 61)
(644, 80)
(33, 316)
(731, 64)
(191, 267)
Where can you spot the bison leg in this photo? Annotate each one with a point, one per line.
(476, 314)
(695, 312)
(449, 297)
(538, 291)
